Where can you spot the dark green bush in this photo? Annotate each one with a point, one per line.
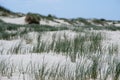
(32, 18)
(49, 16)
(102, 19)
(5, 9)
(6, 12)
(97, 21)
(84, 21)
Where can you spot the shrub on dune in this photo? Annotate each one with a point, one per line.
(97, 21)
(32, 18)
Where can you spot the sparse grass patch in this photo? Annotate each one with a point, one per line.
(82, 50)
(83, 21)
(1, 21)
(80, 45)
(7, 36)
(93, 27)
(23, 29)
(97, 21)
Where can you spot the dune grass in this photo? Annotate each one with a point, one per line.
(89, 58)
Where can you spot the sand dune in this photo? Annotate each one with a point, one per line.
(19, 20)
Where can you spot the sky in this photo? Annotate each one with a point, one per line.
(107, 9)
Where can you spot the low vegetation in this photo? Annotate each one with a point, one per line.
(82, 20)
(97, 21)
(84, 54)
(86, 46)
(32, 18)
(6, 12)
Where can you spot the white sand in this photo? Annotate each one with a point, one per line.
(20, 20)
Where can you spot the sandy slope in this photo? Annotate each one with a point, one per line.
(21, 20)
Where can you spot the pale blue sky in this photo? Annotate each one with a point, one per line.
(108, 9)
